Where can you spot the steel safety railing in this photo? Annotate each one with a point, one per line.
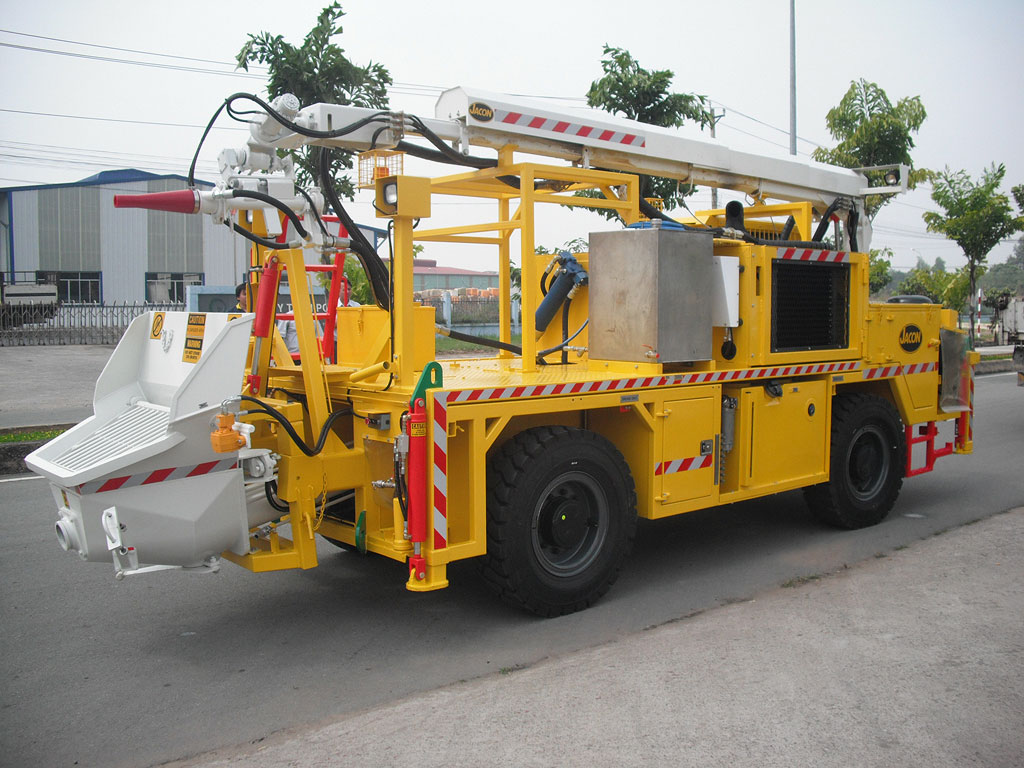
(62, 324)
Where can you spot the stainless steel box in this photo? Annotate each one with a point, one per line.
(650, 295)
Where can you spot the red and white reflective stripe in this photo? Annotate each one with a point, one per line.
(813, 255)
(888, 371)
(683, 465)
(441, 469)
(582, 130)
(443, 400)
(613, 385)
(156, 476)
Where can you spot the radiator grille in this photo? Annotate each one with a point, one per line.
(809, 306)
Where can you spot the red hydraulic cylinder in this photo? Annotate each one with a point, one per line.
(418, 471)
(266, 298)
(174, 201)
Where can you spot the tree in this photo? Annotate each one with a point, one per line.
(879, 269)
(630, 91)
(1006, 278)
(976, 217)
(871, 131)
(318, 71)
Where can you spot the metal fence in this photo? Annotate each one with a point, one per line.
(25, 325)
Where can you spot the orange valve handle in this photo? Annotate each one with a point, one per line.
(224, 439)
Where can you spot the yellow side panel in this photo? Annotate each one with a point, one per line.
(779, 441)
(687, 465)
(364, 336)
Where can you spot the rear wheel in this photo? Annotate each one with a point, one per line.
(561, 516)
(866, 467)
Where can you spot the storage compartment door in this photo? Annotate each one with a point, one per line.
(687, 467)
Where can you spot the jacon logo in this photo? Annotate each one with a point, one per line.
(910, 338)
(481, 111)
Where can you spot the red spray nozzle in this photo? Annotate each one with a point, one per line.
(175, 201)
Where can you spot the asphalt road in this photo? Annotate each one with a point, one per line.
(105, 673)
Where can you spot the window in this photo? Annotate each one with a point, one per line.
(74, 287)
(169, 287)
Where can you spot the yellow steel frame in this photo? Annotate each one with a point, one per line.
(385, 357)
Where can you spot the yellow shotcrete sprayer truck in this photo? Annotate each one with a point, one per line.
(677, 365)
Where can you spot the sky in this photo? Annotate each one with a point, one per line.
(109, 84)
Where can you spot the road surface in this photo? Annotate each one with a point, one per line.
(153, 668)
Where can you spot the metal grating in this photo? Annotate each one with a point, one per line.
(139, 425)
(809, 306)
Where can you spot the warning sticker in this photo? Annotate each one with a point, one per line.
(418, 429)
(158, 325)
(194, 337)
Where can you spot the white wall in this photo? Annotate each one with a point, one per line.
(26, 230)
(123, 246)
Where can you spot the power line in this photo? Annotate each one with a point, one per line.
(122, 120)
(151, 64)
(123, 50)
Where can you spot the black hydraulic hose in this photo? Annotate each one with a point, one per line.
(784, 243)
(287, 426)
(651, 212)
(272, 244)
(378, 117)
(482, 340)
(451, 157)
(202, 139)
(447, 151)
(270, 489)
(293, 217)
(376, 272)
(851, 228)
(787, 229)
(825, 219)
(316, 213)
(563, 342)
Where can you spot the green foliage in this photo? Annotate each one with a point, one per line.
(1006, 278)
(628, 90)
(872, 131)
(358, 283)
(29, 435)
(318, 71)
(977, 217)
(951, 289)
(880, 269)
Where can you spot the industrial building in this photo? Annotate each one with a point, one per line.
(72, 236)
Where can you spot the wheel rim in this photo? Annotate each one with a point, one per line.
(867, 462)
(570, 523)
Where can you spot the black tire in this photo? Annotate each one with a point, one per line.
(561, 517)
(866, 468)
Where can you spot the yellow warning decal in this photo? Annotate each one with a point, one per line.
(158, 325)
(418, 429)
(194, 337)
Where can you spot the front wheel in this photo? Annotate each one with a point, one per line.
(866, 468)
(561, 516)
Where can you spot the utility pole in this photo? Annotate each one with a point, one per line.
(792, 77)
(714, 190)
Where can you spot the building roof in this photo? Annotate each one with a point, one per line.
(122, 176)
(429, 267)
